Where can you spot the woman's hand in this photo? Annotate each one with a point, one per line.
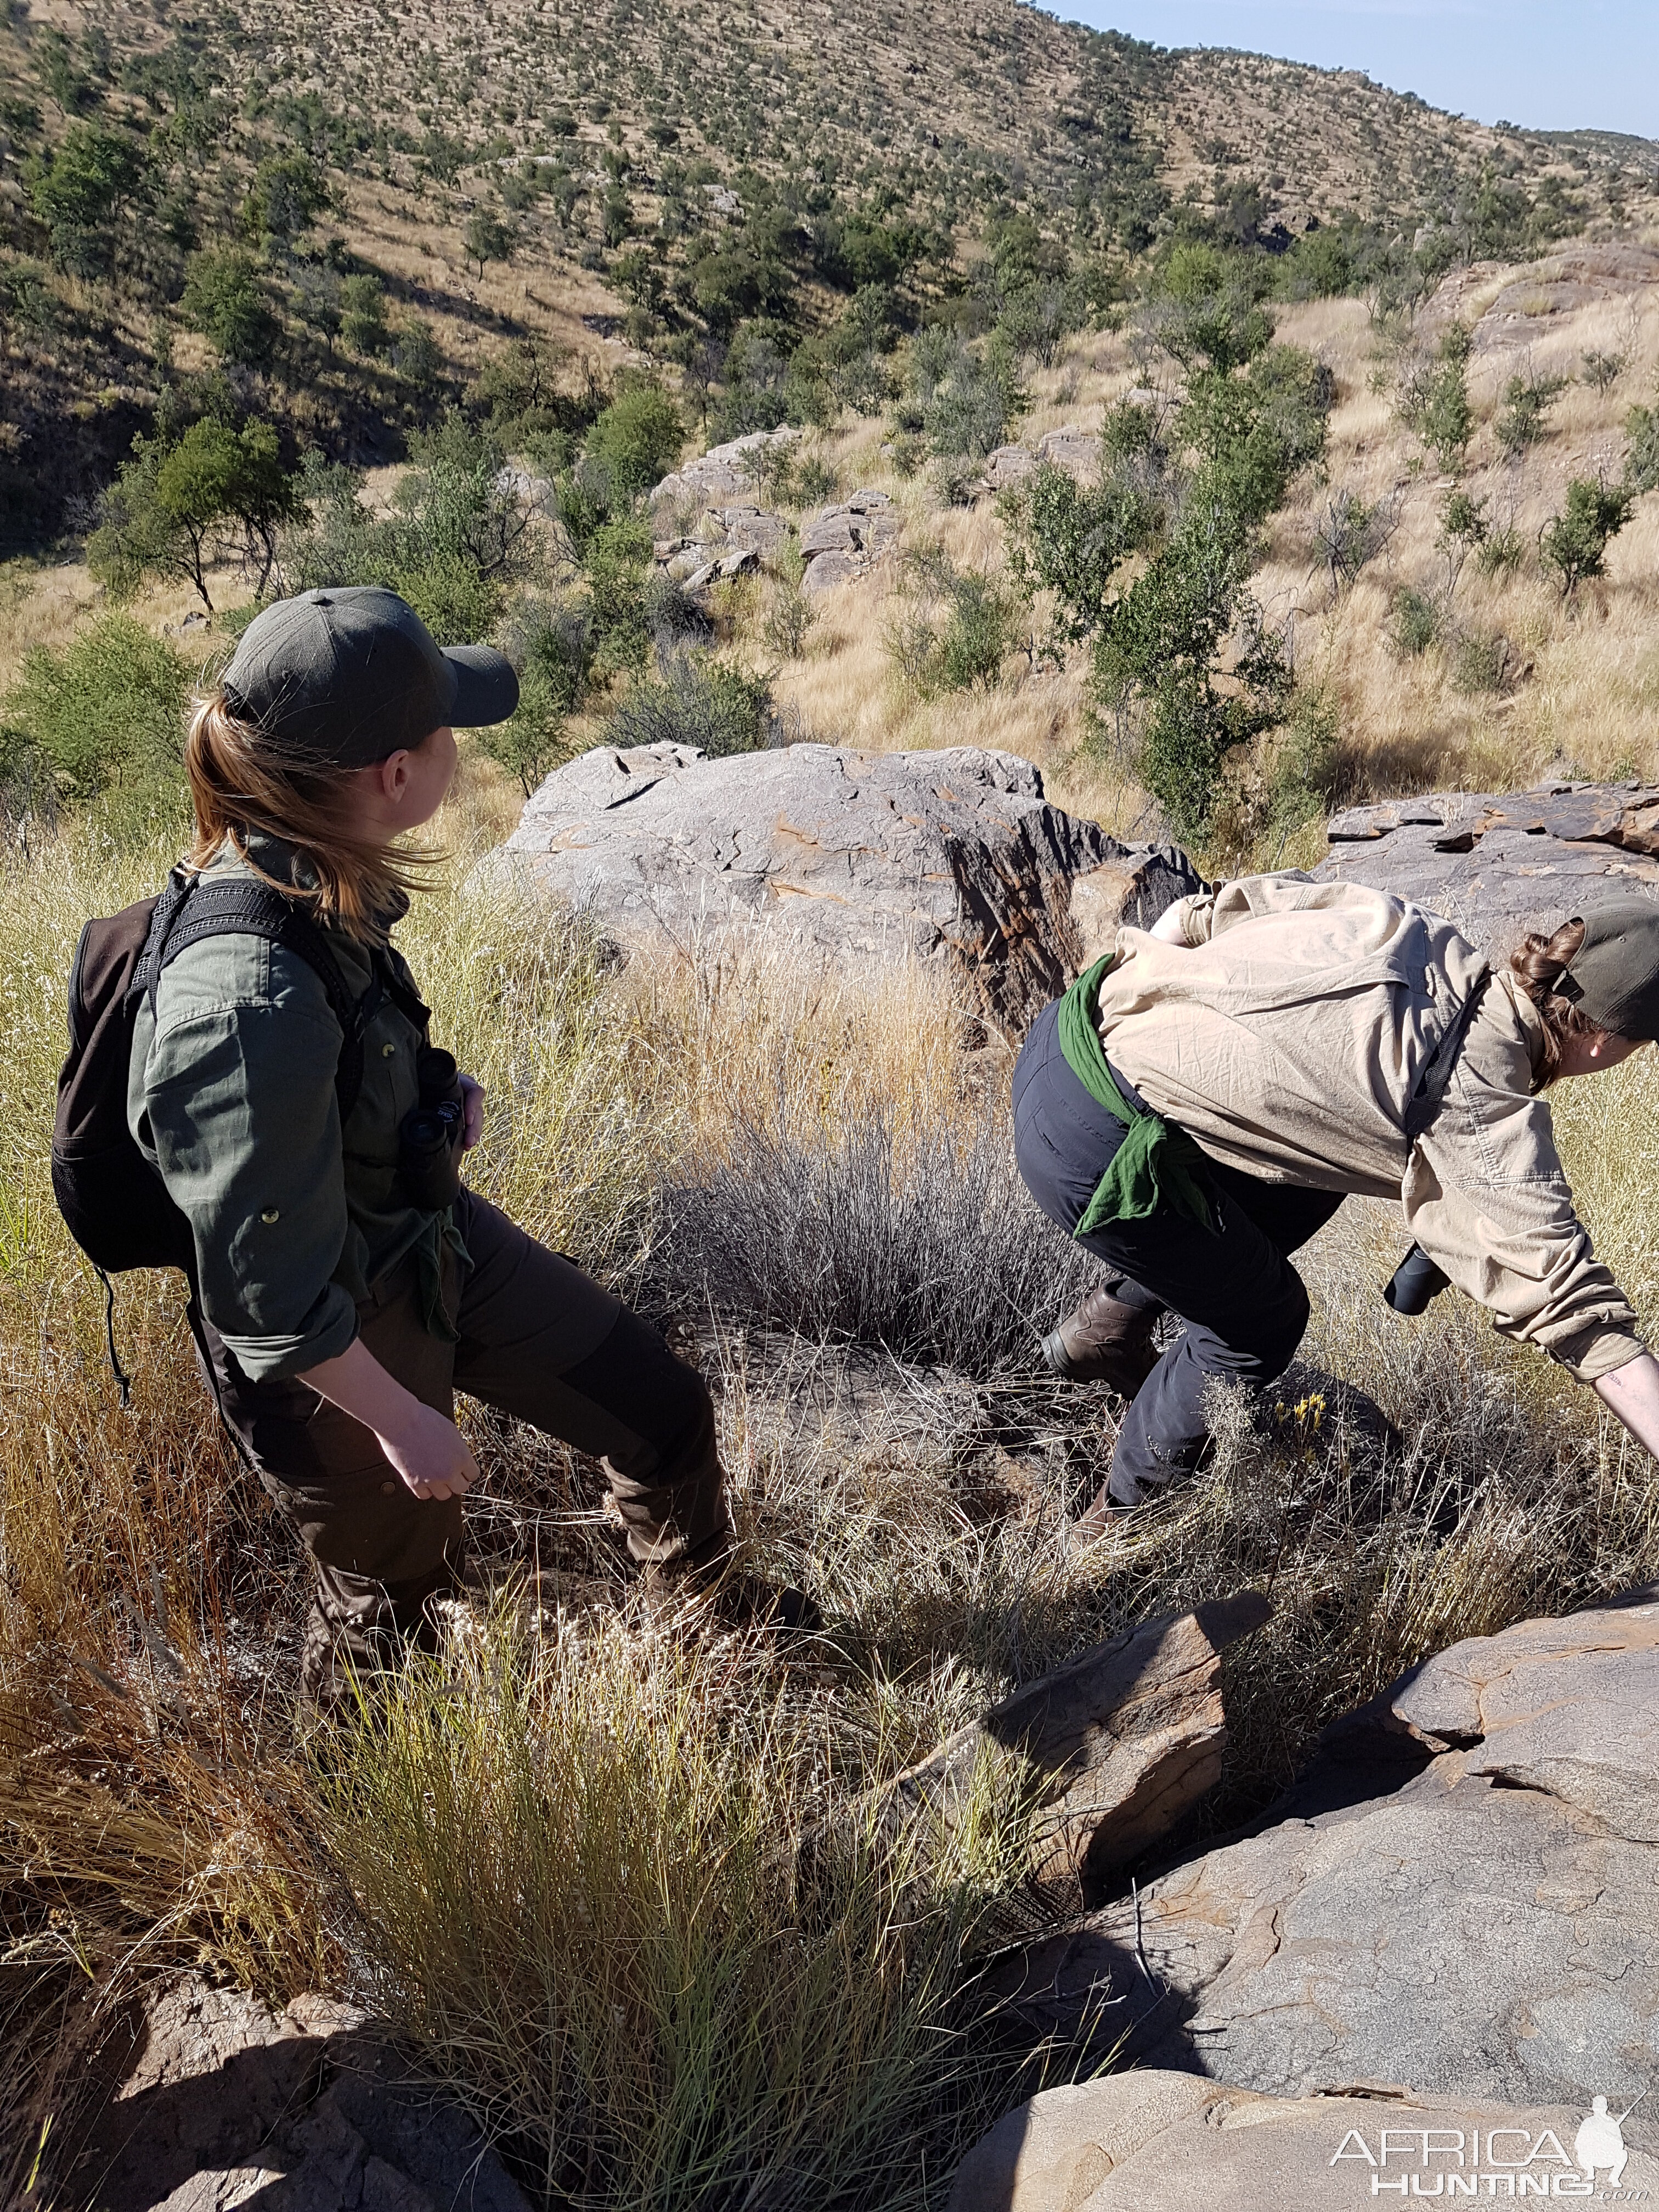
(472, 1099)
(423, 1445)
(430, 1453)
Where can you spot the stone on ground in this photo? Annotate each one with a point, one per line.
(954, 858)
(1460, 1899)
(1500, 863)
(218, 2101)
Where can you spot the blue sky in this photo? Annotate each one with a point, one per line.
(1568, 64)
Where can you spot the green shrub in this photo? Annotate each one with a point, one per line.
(953, 629)
(224, 298)
(636, 441)
(107, 710)
(1417, 623)
(1575, 542)
(1642, 464)
(695, 702)
(1481, 663)
(177, 507)
(362, 313)
(1434, 398)
(1523, 418)
(789, 618)
(1502, 552)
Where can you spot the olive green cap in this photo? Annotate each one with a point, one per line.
(1613, 977)
(353, 675)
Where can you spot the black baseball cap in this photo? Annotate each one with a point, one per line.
(350, 675)
(1613, 977)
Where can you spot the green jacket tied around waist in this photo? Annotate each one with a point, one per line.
(1158, 1165)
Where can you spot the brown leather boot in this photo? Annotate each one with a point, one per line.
(1104, 1341)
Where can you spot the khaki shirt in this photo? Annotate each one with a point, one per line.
(231, 1095)
(1288, 1036)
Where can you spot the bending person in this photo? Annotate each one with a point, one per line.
(1199, 1103)
(341, 1295)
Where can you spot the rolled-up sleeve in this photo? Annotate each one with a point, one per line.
(1488, 1198)
(241, 1112)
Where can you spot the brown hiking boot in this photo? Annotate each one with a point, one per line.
(726, 1597)
(1104, 1341)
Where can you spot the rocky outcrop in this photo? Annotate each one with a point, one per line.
(1072, 448)
(953, 858)
(723, 476)
(841, 544)
(1158, 2141)
(1459, 1899)
(1498, 864)
(218, 2101)
(1108, 1753)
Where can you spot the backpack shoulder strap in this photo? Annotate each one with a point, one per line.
(248, 908)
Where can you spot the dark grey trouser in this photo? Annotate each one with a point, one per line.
(538, 1339)
(1244, 1305)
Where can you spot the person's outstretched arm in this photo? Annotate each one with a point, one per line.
(1633, 1391)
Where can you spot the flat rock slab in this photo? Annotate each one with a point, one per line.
(1500, 863)
(1159, 2141)
(1488, 1928)
(218, 2101)
(954, 858)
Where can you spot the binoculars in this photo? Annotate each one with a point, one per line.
(1415, 1281)
(429, 1136)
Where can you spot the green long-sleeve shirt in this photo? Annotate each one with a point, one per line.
(231, 1094)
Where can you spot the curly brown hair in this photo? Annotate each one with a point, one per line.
(1537, 964)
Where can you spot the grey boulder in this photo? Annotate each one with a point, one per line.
(843, 543)
(1501, 864)
(1484, 1927)
(954, 858)
(1158, 2141)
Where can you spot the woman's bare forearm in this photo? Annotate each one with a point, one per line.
(427, 1450)
(1632, 1392)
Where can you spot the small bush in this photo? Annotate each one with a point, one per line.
(1603, 370)
(930, 1249)
(636, 441)
(1575, 542)
(108, 709)
(1502, 554)
(1524, 415)
(696, 701)
(954, 628)
(788, 620)
(1417, 624)
(1434, 398)
(1642, 464)
(1480, 664)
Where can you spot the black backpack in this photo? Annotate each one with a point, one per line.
(115, 1203)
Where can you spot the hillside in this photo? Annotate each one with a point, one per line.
(657, 181)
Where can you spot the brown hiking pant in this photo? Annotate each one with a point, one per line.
(538, 1339)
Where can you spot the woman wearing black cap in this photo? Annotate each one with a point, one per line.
(347, 1282)
(1198, 1103)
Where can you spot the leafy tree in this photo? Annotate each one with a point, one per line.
(1575, 542)
(552, 647)
(487, 237)
(92, 176)
(224, 298)
(170, 506)
(289, 192)
(1205, 309)
(108, 709)
(636, 441)
(618, 562)
(1074, 538)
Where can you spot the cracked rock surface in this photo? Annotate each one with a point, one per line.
(954, 858)
(1499, 863)
(1487, 1927)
